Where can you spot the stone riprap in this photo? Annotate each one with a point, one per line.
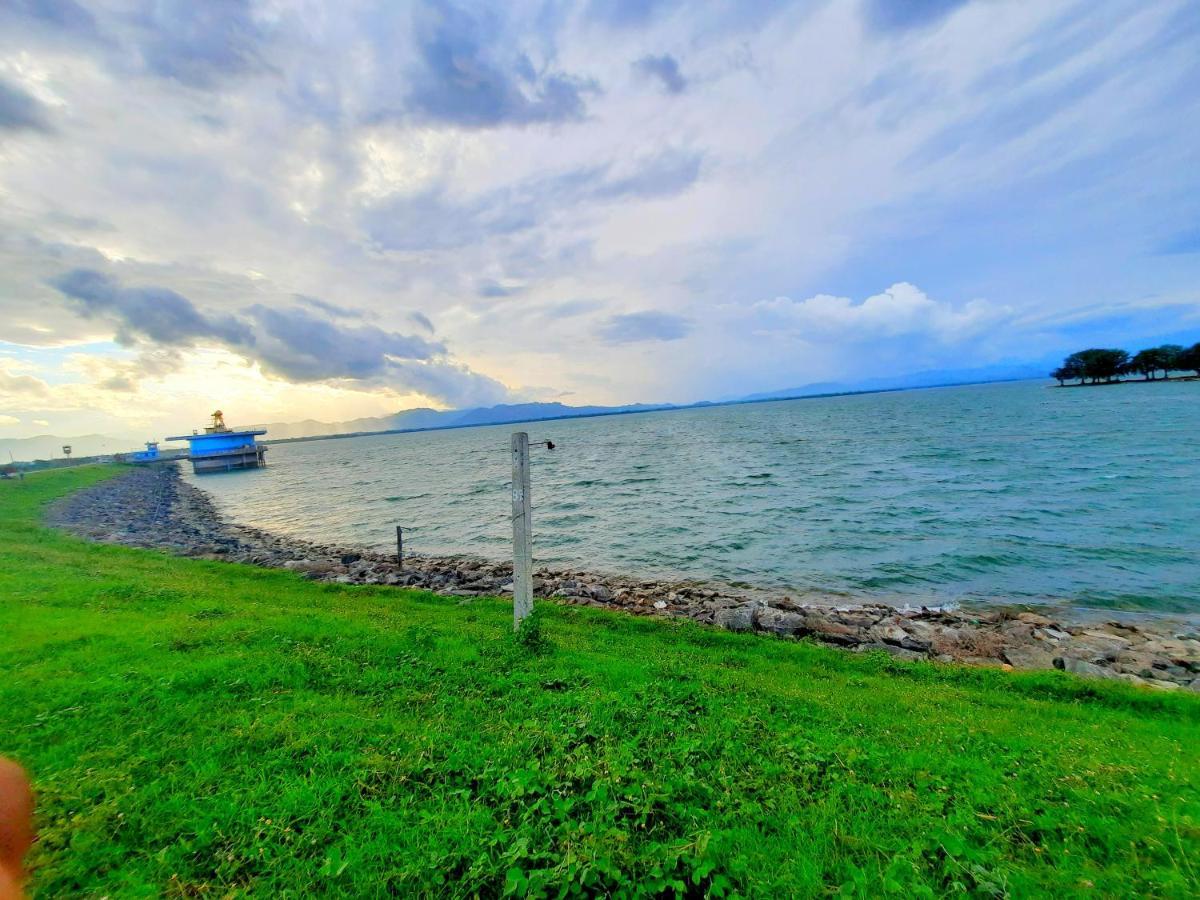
(153, 507)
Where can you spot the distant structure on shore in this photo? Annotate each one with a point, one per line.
(220, 448)
(149, 455)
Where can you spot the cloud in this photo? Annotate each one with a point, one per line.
(65, 15)
(903, 15)
(630, 328)
(290, 343)
(452, 382)
(155, 313)
(432, 219)
(489, 287)
(21, 388)
(128, 376)
(627, 13)
(332, 309)
(200, 44)
(664, 175)
(665, 69)
(899, 312)
(19, 111)
(302, 347)
(42, 423)
(419, 318)
(469, 78)
(9, 420)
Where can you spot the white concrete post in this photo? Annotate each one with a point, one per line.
(522, 522)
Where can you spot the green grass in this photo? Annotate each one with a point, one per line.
(207, 728)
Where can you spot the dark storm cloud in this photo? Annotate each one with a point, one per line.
(155, 313)
(664, 69)
(292, 343)
(303, 347)
(902, 15)
(432, 220)
(468, 77)
(644, 326)
(19, 111)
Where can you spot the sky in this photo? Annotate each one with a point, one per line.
(329, 210)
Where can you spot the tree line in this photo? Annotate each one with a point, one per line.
(1103, 365)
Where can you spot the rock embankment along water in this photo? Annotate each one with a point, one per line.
(153, 507)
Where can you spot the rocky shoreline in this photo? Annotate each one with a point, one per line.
(153, 507)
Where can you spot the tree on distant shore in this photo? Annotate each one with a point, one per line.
(1145, 363)
(1104, 364)
(1168, 358)
(1189, 359)
(1097, 363)
(1071, 369)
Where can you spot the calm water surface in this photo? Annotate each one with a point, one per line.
(995, 493)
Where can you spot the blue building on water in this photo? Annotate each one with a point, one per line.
(221, 449)
(149, 455)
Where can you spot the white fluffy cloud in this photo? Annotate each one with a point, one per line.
(902, 310)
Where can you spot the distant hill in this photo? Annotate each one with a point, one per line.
(940, 377)
(424, 418)
(49, 446)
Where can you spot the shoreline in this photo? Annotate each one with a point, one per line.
(154, 508)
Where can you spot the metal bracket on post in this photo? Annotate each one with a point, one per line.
(522, 523)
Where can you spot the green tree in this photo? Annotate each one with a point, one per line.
(1069, 370)
(1146, 363)
(1101, 363)
(1168, 358)
(1189, 359)
(1072, 367)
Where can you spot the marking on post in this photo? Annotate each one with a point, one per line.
(522, 523)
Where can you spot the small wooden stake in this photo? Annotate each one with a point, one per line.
(400, 547)
(522, 523)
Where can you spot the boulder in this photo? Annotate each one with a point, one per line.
(1028, 657)
(1032, 618)
(735, 618)
(1082, 667)
(780, 621)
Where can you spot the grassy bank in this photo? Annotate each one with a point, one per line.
(203, 728)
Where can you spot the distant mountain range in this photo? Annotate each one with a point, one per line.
(936, 378)
(421, 419)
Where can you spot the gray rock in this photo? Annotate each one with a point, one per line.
(735, 618)
(1028, 657)
(780, 621)
(1082, 667)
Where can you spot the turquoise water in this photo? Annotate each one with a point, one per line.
(994, 493)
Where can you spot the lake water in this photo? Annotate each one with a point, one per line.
(994, 493)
